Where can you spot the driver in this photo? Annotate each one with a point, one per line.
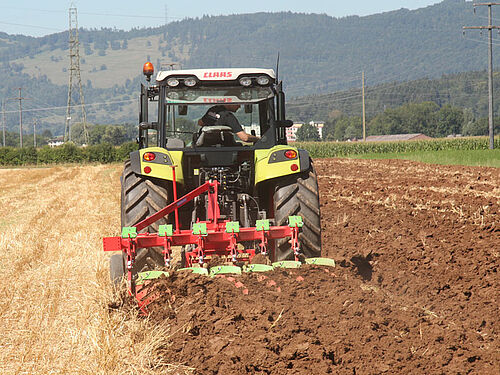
(223, 115)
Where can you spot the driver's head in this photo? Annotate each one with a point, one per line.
(232, 107)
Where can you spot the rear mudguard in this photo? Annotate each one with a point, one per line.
(161, 166)
(272, 163)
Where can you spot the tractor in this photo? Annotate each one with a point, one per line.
(204, 191)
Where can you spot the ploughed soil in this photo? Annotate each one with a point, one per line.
(416, 288)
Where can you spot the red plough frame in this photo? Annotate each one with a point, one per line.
(212, 237)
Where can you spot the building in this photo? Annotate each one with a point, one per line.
(397, 137)
(54, 142)
(291, 132)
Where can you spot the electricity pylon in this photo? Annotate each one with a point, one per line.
(74, 72)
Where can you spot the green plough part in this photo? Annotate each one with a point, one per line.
(166, 230)
(321, 262)
(149, 275)
(261, 225)
(228, 269)
(129, 232)
(197, 270)
(232, 227)
(295, 221)
(287, 264)
(222, 270)
(257, 268)
(200, 228)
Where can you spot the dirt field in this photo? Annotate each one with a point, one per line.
(415, 290)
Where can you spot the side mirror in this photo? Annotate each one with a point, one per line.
(283, 123)
(183, 110)
(248, 108)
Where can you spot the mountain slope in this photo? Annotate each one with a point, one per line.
(318, 53)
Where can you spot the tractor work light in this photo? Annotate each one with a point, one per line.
(190, 82)
(149, 156)
(290, 154)
(263, 80)
(245, 81)
(173, 82)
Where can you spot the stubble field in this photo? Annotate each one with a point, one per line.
(415, 290)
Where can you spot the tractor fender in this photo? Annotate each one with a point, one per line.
(272, 163)
(161, 166)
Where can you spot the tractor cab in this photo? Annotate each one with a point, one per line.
(184, 96)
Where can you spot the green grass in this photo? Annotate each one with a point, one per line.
(483, 158)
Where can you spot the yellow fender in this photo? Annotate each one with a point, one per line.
(160, 166)
(273, 163)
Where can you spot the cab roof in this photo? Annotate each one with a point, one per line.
(220, 74)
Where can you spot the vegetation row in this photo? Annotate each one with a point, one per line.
(67, 153)
(339, 149)
(107, 153)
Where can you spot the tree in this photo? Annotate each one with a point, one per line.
(114, 135)
(308, 133)
(449, 121)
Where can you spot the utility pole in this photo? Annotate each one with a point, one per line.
(34, 132)
(364, 111)
(20, 98)
(74, 70)
(3, 120)
(490, 28)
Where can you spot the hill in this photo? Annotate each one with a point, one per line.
(318, 54)
(465, 90)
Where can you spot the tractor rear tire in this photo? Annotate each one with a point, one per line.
(298, 195)
(116, 269)
(142, 197)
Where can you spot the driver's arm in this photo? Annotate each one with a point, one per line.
(245, 137)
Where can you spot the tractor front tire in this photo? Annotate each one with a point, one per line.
(298, 195)
(141, 197)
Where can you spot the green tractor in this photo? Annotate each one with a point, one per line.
(262, 184)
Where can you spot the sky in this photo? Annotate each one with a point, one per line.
(37, 18)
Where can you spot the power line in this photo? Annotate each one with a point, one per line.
(64, 107)
(35, 26)
(104, 14)
(483, 41)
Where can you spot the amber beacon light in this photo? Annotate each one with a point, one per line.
(148, 70)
